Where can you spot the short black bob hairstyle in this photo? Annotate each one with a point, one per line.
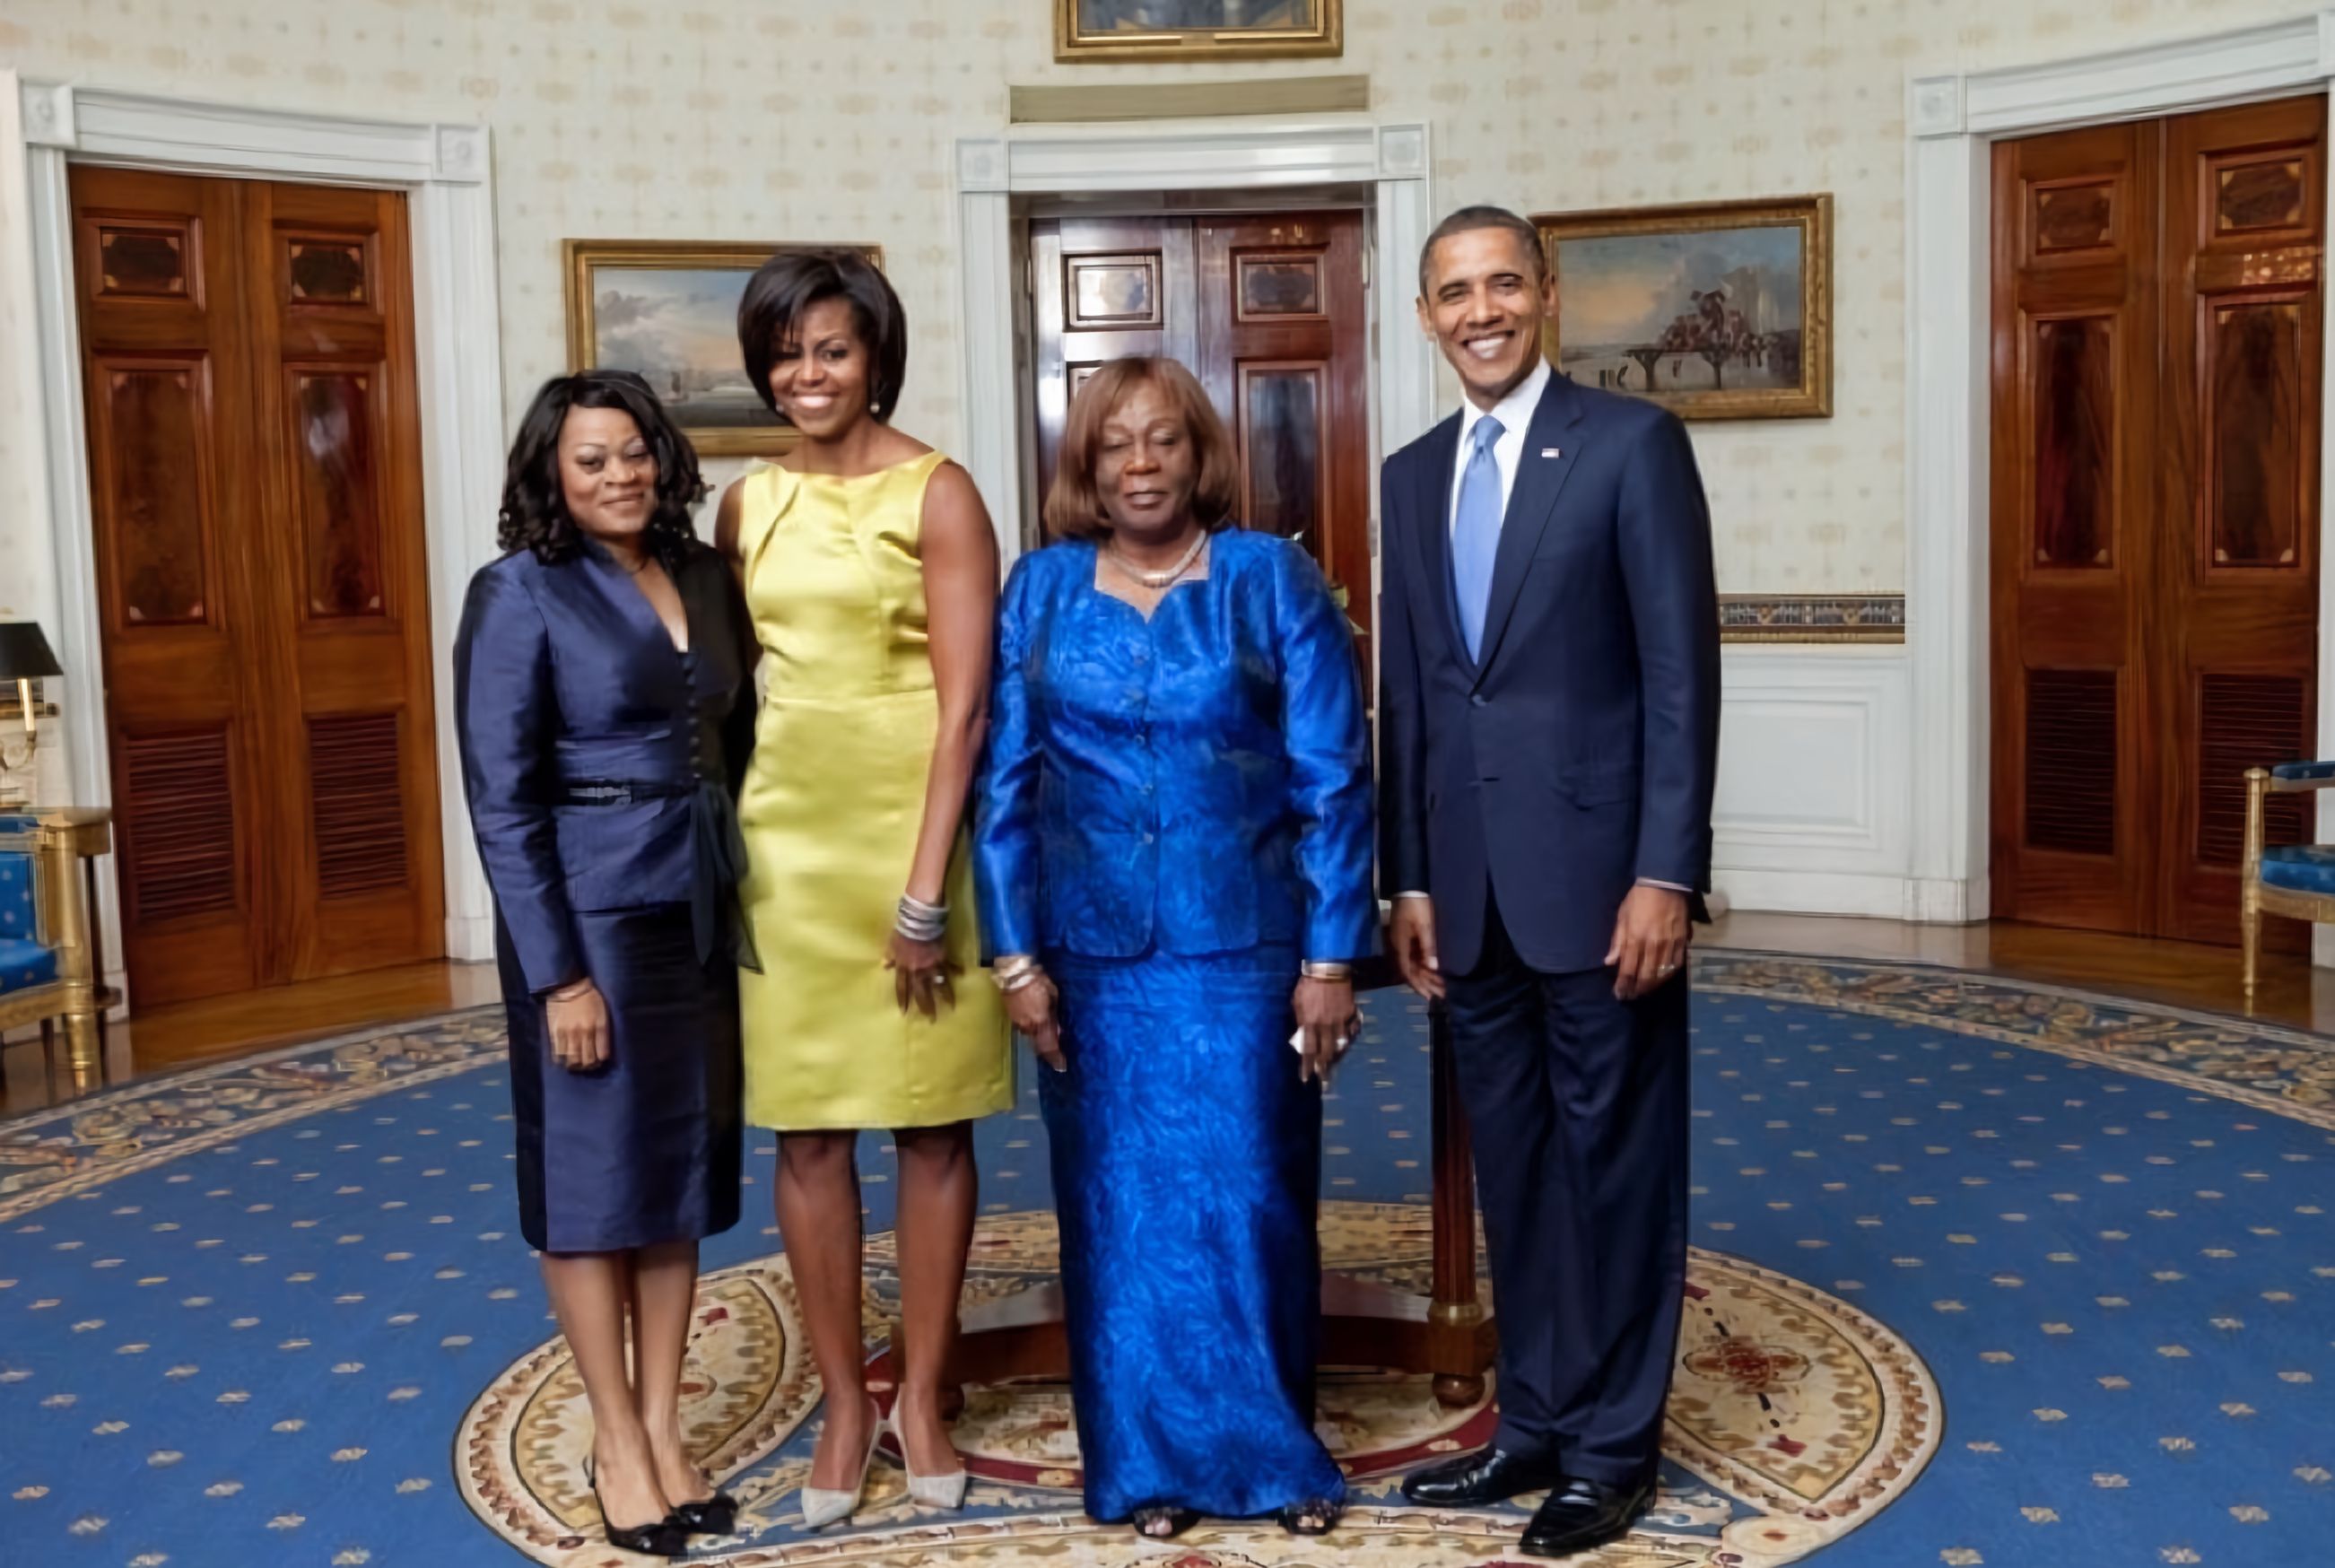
(790, 283)
(534, 515)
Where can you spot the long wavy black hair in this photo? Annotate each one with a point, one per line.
(533, 514)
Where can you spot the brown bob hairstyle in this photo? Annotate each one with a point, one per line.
(1074, 507)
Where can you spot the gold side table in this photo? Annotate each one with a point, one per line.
(83, 833)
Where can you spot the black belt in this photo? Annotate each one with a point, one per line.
(717, 853)
(618, 792)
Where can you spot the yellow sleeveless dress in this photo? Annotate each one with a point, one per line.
(830, 808)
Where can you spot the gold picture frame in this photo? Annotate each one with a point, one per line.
(1106, 30)
(1668, 303)
(676, 321)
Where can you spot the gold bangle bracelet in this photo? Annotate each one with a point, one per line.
(1330, 971)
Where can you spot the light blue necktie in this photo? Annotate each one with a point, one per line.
(1476, 533)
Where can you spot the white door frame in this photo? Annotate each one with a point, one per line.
(457, 335)
(1951, 122)
(1224, 155)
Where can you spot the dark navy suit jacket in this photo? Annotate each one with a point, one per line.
(1579, 755)
(566, 683)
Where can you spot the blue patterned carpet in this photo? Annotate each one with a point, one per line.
(2039, 1278)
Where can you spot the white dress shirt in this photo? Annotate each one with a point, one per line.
(1515, 412)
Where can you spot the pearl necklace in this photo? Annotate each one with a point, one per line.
(1162, 579)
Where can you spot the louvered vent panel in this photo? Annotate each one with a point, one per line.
(2246, 721)
(2071, 761)
(178, 823)
(359, 812)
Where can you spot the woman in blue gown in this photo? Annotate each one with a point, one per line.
(1173, 857)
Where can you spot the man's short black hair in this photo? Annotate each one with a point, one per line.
(1470, 219)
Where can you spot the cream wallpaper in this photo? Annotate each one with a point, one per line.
(782, 120)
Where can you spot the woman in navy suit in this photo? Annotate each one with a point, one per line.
(602, 698)
(1173, 855)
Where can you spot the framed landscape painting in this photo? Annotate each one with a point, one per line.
(669, 310)
(1721, 310)
(1186, 29)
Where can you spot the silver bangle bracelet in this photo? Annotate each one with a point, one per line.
(921, 921)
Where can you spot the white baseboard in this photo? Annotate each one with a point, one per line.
(470, 938)
(1862, 893)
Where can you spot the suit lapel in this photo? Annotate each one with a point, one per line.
(1437, 456)
(1540, 479)
(616, 587)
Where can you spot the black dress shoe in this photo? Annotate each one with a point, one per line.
(1472, 1480)
(663, 1538)
(714, 1516)
(1580, 1514)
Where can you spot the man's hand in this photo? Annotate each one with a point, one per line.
(1648, 940)
(1412, 931)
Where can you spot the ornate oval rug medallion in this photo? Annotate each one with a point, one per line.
(1794, 1417)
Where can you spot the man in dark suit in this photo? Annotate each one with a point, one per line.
(1549, 717)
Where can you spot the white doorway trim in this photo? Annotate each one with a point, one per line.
(458, 336)
(1951, 122)
(1243, 155)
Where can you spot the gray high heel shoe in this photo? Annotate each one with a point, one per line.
(825, 1505)
(931, 1491)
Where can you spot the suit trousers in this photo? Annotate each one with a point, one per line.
(1577, 1101)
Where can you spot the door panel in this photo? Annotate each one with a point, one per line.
(2073, 489)
(1283, 351)
(2238, 595)
(255, 456)
(2156, 496)
(358, 752)
(1269, 313)
(164, 360)
(1103, 288)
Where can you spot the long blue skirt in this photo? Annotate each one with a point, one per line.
(1187, 1162)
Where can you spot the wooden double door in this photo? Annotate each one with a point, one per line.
(254, 452)
(1268, 311)
(2157, 302)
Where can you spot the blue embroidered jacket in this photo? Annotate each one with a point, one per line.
(1199, 781)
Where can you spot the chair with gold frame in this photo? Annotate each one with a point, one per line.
(47, 961)
(2295, 880)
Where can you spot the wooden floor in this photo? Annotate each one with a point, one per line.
(2183, 973)
(188, 1033)
(2180, 974)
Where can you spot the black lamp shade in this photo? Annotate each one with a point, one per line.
(24, 654)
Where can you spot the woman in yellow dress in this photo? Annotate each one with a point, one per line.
(870, 572)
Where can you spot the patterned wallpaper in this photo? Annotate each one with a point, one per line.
(786, 119)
